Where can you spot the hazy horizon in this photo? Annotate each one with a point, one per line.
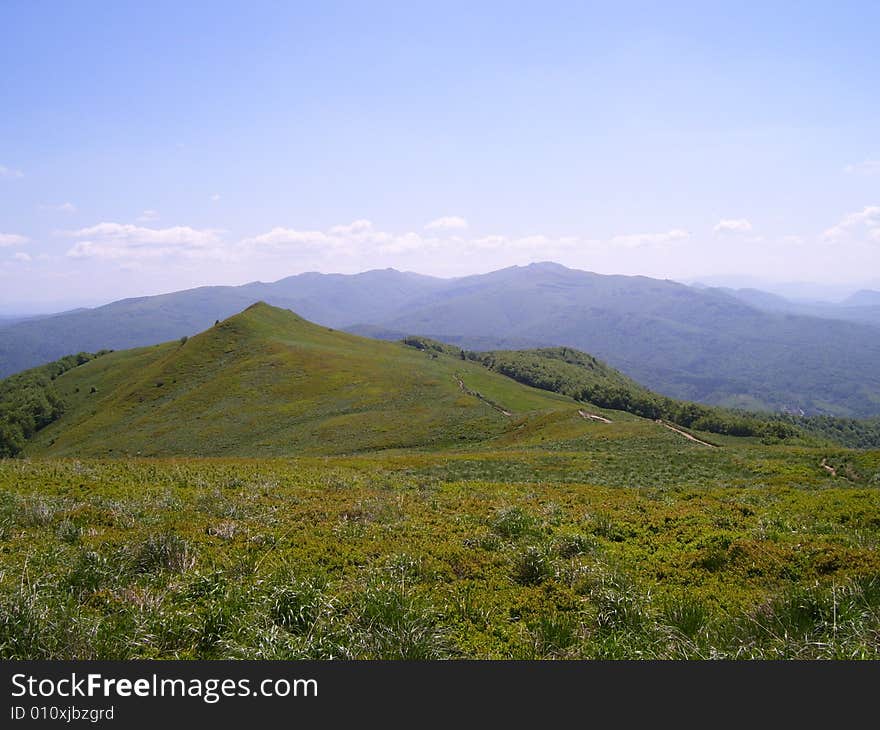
(220, 146)
(792, 290)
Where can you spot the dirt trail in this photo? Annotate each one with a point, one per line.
(465, 389)
(584, 414)
(827, 467)
(686, 435)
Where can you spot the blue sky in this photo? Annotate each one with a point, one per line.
(147, 147)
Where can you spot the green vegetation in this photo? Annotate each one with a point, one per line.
(268, 383)
(30, 401)
(761, 554)
(857, 434)
(414, 502)
(587, 379)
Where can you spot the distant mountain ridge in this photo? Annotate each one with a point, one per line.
(863, 298)
(862, 307)
(706, 345)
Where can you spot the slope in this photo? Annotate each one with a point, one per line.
(267, 382)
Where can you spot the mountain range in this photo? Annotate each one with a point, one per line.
(863, 306)
(732, 348)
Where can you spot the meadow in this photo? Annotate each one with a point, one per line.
(553, 551)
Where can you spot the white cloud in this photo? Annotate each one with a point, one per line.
(361, 240)
(285, 237)
(490, 242)
(352, 246)
(355, 227)
(215, 197)
(638, 240)
(868, 167)
(447, 223)
(406, 243)
(12, 239)
(538, 241)
(866, 220)
(127, 241)
(358, 237)
(8, 172)
(733, 225)
(147, 216)
(21, 256)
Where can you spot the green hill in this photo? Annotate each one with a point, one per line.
(267, 382)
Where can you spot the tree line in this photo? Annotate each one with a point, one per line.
(29, 401)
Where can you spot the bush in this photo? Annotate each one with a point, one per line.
(166, 551)
(687, 615)
(619, 604)
(30, 402)
(569, 546)
(393, 623)
(296, 607)
(531, 566)
(21, 630)
(512, 522)
(555, 633)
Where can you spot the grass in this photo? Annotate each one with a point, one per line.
(400, 557)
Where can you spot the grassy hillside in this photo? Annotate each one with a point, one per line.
(267, 382)
(692, 344)
(584, 378)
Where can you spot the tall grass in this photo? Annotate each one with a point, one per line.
(140, 564)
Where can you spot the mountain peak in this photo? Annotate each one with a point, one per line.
(264, 319)
(258, 306)
(547, 266)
